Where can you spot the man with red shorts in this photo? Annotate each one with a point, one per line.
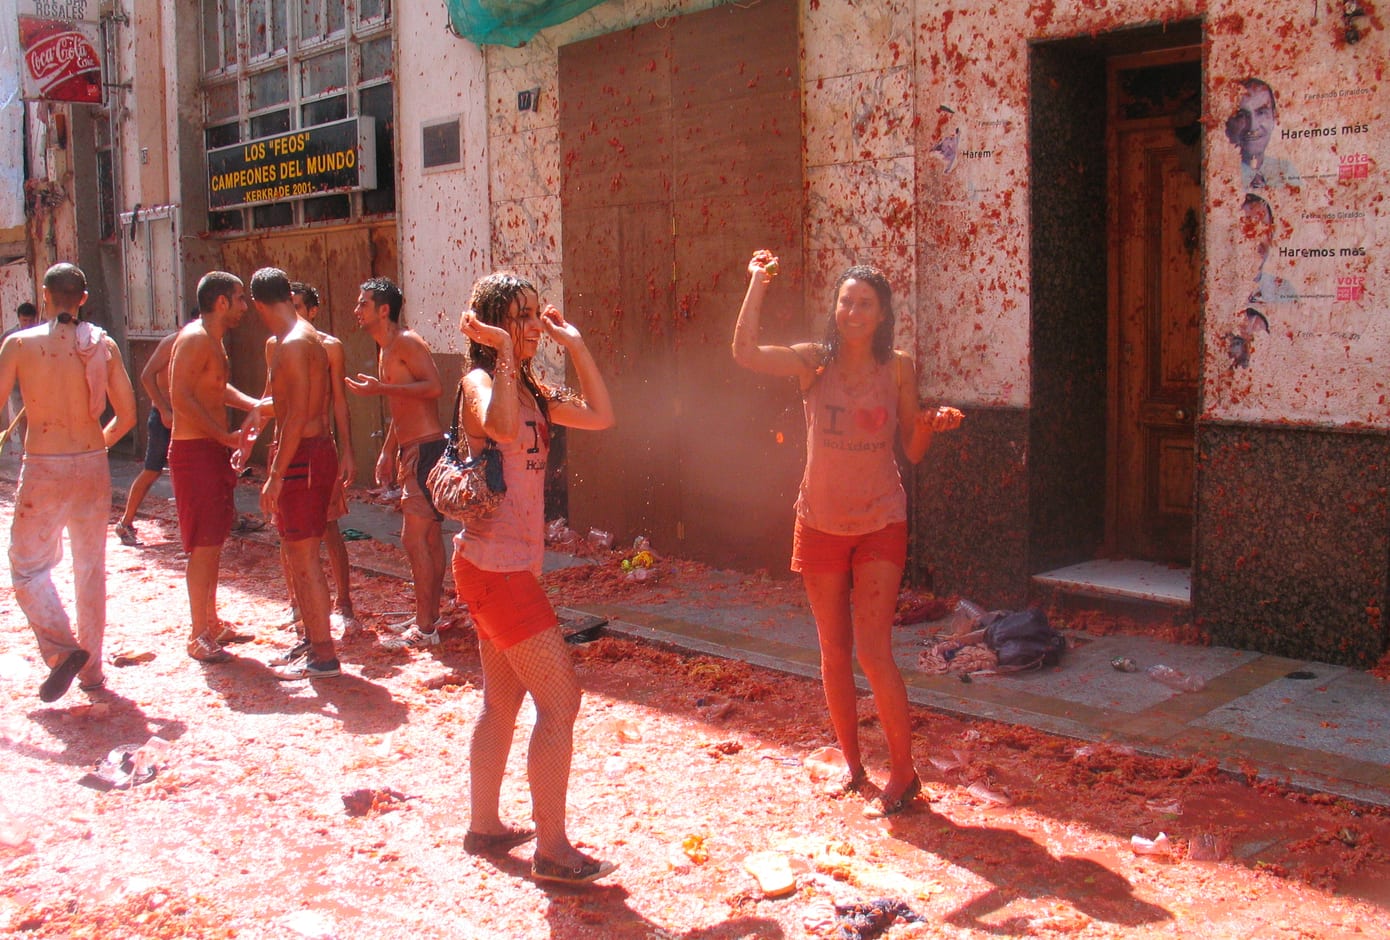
(304, 471)
(200, 453)
(342, 619)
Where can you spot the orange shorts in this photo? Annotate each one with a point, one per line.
(816, 552)
(507, 606)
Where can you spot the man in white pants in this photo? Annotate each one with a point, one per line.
(67, 371)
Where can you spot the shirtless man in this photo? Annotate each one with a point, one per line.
(26, 315)
(306, 305)
(154, 378)
(304, 465)
(67, 371)
(407, 376)
(200, 453)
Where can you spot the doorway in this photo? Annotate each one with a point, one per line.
(1116, 144)
(1156, 257)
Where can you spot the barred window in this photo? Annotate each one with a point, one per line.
(274, 66)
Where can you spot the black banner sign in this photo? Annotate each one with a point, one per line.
(328, 158)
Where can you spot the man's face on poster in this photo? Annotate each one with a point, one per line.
(1252, 125)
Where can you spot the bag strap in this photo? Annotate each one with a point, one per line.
(458, 403)
(454, 438)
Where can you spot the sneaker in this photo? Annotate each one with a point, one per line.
(308, 668)
(126, 533)
(293, 655)
(414, 638)
(205, 649)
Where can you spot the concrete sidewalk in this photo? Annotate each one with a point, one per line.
(1316, 725)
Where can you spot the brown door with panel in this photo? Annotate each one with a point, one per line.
(1155, 358)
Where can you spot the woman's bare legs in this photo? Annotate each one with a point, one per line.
(829, 595)
(875, 598)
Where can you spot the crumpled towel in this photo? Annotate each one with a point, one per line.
(954, 656)
(91, 347)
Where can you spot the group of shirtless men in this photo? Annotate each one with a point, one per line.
(69, 370)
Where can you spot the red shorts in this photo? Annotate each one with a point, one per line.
(302, 510)
(204, 491)
(337, 503)
(507, 606)
(816, 552)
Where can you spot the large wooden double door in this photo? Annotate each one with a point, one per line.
(681, 155)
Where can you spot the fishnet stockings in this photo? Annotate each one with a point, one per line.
(541, 666)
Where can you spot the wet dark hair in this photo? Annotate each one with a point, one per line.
(66, 283)
(492, 300)
(216, 284)
(311, 296)
(385, 291)
(883, 336)
(270, 286)
(26, 309)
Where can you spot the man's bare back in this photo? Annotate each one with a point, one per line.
(301, 356)
(52, 378)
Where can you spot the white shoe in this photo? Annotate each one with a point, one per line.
(401, 626)
(443, 623)
(414, 638)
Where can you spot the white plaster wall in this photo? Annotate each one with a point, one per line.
(442, 216)
(1323, 359)
(885, 82)
(16, 287)
(11, 120)
(860, 161)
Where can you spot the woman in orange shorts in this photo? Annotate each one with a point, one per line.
(850, 543)
(497, 562)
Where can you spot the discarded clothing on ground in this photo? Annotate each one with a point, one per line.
(1008, 641)
(868, 920)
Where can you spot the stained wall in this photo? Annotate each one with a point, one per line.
(918, 125)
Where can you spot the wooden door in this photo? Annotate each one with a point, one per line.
(1156, 238)
(335, 261)
(681, 154)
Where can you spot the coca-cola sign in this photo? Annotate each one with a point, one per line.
(61, 62)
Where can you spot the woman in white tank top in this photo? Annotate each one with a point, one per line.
(850, 543)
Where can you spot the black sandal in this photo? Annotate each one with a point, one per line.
(591, 869)
(881, 806)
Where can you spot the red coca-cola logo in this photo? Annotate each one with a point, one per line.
(64, 64)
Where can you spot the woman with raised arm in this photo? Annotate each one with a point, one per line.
(850, 541)
(497, 562)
